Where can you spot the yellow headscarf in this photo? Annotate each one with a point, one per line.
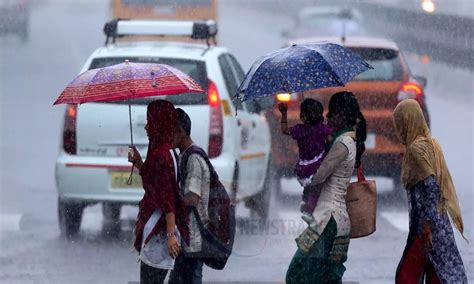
(424, 157)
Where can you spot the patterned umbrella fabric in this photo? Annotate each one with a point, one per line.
(300, 68)
(127, 81)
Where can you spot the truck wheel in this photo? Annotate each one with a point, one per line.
(111, 214)
(259, 204)
(69, 217)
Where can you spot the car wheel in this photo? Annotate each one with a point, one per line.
(111, 222)
(259, 204)
(69, 217)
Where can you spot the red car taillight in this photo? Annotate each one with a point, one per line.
(69, 130)
(216, 130)
(411, 90)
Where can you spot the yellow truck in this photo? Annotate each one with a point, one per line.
(165, 9)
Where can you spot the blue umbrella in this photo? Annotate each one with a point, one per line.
(300, 68)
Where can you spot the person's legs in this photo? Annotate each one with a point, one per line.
(312, 267)
(308, 203)
(187, 270)
(313, 197)
(431, 276)
(335, 272)
(337, 258)
(151, 275)
(413, 263)
(178, 274)
(305, 269)
(196, 271)
(304, 199)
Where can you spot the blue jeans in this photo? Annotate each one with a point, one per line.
(187, 270)
(151, 275)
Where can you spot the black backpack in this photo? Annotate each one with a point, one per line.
(218, 233)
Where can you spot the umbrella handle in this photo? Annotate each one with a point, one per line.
(129, 181)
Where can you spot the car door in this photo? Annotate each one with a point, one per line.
(244, 124)
(258, 144)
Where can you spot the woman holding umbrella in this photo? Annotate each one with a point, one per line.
(162, 216)
(431, 248)
(322, 247)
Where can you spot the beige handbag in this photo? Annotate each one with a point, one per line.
(361, 201)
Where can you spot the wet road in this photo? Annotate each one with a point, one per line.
(33, 74)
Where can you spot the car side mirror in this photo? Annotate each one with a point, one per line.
(421, 80)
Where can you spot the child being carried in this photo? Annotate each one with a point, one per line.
(311, 136)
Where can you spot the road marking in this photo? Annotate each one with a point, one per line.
(397, 219)
(10, 222)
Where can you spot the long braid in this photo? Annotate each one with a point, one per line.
(361, 136)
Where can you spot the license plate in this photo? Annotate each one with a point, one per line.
(120, 179)
(370, 142)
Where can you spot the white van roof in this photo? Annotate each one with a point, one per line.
(192, 51)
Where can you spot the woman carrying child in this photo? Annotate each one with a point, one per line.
(322, 247)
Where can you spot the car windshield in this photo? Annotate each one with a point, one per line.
(386, 62)
(195, 69)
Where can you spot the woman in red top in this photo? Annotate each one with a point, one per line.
(161, 209)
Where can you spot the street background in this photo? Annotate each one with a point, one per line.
(63, 35)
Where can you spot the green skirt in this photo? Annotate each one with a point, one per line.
(323, 263)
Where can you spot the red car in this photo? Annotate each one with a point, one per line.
(378, 92)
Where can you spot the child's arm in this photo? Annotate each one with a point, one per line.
(284, 119)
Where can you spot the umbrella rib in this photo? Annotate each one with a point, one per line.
(178, 76)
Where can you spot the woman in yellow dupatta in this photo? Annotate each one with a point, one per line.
(431, 249)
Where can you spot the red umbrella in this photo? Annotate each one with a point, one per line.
(127, 81)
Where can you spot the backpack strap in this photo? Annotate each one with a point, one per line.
(193, 149)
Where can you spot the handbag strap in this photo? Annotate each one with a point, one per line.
(360, 175)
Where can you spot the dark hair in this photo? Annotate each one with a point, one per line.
(184, 121)
(345, 103)
(312, 110)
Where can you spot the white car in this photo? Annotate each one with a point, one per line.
(92, 165)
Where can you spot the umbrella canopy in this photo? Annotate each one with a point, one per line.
(127, 81)
(300, 68)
